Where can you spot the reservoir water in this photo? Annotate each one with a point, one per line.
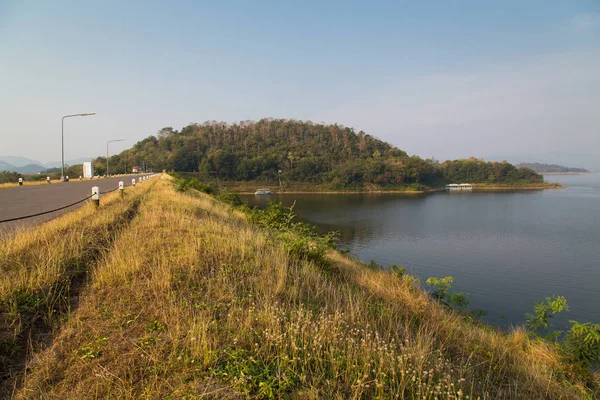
(507, 250)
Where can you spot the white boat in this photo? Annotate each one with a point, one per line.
(263, 191)
(462, 186)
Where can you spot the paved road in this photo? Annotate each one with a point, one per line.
(27, 200)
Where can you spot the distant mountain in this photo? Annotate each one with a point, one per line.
(548, 168)
(56, 164)
(4, 166)
(25, 169)
(30, 169)
(24, 165)
(18, 161)
(590, 162)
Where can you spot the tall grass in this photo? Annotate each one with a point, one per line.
(42, 271)
(191, 301)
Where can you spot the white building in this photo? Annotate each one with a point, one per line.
(88, 170)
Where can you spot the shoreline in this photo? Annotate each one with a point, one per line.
(567, 173)
(411, 192)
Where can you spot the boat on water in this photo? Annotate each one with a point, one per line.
(263, 191)
(462, 186)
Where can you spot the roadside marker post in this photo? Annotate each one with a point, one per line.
(133, 182)
(121, 187)
(20, 181)
(48, 179)
(96, 196)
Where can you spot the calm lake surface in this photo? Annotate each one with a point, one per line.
(506, 249)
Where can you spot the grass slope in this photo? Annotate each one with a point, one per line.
(188, 300)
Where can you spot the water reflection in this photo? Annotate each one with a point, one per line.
(506, 249)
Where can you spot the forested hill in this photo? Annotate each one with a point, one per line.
(330, 155)
(545, 168)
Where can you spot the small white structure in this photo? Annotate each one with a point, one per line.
(88, 170)
(263, 191)
(462, 186)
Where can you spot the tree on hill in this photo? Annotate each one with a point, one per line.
(303, 151)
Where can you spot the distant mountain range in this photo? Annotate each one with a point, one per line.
(549, 168)
(591, 162)
(24, 165)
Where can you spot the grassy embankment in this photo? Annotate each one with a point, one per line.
(188, 300)
(43, 270)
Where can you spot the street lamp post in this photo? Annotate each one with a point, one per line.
(110, 141)
(62, 163)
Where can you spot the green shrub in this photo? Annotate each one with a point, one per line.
(299, 239)
(582, 344)
(442, 292)
(399, 271)
(230, 198)
(9, 177)
(442, 286)
(183, 185)
(544, 311)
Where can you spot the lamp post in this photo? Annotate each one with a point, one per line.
(62, 163)
(110, 141)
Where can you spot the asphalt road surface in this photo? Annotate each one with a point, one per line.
(26, 200)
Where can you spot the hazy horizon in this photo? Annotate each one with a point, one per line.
(511, 80)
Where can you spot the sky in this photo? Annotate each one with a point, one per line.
(511, 79)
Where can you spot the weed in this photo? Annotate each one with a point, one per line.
(92, 349)
(154, 326)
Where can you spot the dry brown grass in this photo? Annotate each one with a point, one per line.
(28, 183)
(42, 271)
(190, 301)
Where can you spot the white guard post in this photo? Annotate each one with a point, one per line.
(133, 182)
(121, 187)
(20, 181)
(48, 179)
(96, 196)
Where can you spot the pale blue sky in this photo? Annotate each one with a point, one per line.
(472, 78)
